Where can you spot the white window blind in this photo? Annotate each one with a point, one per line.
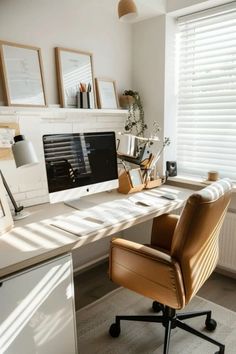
(206, 112)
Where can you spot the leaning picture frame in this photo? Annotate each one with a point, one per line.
(22, 73)
(75, 78)
(135, 177)
(106, 93)
(6, 221)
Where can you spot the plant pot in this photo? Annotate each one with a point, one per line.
(126, 101)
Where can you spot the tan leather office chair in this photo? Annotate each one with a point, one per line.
(181, 256)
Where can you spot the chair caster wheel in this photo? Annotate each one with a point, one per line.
(114, 330)
(211, 326)
(156, 306)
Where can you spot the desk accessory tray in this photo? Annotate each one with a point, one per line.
(155, 183)
(126, 186)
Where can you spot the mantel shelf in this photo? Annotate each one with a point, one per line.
(57, 110)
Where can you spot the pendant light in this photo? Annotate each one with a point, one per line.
(127, 10)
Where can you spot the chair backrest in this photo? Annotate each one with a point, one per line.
(195, 241)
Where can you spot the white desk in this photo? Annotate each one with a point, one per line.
(46, 287)
(34, 239)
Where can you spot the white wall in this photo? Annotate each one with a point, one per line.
(148, 75)
(170, 89)
(88, 25)
(148, 66)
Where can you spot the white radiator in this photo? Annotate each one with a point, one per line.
(227, 257)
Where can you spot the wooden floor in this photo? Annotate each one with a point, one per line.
(94, 283)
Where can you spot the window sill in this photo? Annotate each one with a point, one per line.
(194, 181)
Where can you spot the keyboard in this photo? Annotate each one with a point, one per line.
(77, 225)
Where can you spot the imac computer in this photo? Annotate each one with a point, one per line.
(80, 164)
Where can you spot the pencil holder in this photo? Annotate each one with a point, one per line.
(84, 100)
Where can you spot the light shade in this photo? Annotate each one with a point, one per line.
(23, 152)
(127, 10)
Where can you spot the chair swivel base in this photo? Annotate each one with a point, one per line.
(170, 319)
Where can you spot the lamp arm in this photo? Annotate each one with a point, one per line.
(17, 208)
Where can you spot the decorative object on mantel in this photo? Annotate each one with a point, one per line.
(84, 96)
(127, 10)
(126, 101)
(106, 93)
(22, 73)
(75, 78)
(135, 122)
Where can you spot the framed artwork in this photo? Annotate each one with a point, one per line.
(75, 78)
(106, 94)
(22, 73)
(6, 221)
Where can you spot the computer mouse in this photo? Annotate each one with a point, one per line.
(169, 196)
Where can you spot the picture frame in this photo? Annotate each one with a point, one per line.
(6, 221)
(75, 70)
(136, 177)
(106, 94)
(22, 73)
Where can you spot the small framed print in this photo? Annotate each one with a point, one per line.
(136, 177)
(106, 94)
(22, 72)
(75, 76)
(6, 221)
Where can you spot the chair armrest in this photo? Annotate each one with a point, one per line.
(163, 228)
(141, 250)
(147, 271)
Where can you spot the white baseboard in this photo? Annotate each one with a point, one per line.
(90, 264)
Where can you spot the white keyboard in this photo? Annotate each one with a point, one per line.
(78, 225)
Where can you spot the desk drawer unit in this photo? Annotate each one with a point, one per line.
(37, 310)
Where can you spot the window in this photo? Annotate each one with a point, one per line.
(206, 111)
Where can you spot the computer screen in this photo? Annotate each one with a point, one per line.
(79, 164)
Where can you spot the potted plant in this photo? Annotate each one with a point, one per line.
(135, 122)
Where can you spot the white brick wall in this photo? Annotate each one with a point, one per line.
(29, 185)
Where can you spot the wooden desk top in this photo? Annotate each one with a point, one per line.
(34, 239)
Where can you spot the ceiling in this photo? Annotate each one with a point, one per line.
(152, 8)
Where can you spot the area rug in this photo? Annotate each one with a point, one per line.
(94, 320)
